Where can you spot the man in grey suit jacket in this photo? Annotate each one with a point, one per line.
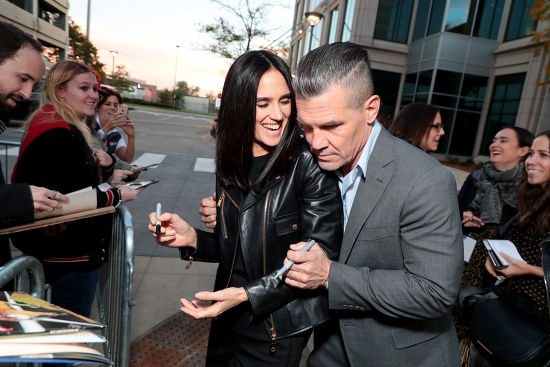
(401, 258)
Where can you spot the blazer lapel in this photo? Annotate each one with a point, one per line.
(369, 192)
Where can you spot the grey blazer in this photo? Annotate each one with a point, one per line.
(399, 268)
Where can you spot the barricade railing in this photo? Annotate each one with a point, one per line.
(115, 289)
(15, 270)
(4, 146)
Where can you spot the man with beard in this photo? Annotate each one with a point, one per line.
(21, 66)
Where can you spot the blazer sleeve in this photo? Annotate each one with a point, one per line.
(16, 205)
(431, 244)
(321, 220)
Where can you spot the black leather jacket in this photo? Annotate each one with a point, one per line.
(303, 203)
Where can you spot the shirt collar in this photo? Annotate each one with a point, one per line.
(363, 161)
(2, 127)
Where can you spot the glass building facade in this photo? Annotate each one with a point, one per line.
(449, 53)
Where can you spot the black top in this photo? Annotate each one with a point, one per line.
(239, 277)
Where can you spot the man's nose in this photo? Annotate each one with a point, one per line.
(316, 140)
(26, 91)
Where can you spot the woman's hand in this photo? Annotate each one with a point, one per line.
(470, 220)
(105, 160)
(128, 127)
(119, 175)
(515, 268)
(127, 194)
(224, 300)
(113, 121)
(208, 211)
(174, 231)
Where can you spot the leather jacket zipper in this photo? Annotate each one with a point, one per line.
(233, 262)
(272, 330)
(221, 202)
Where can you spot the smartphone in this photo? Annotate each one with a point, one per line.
(139, 169)
(496, 260)
(142, 184)
(123, 110)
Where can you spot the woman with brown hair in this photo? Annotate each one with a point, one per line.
(419, 124)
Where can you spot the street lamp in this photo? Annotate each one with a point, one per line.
(175, 76)
(313, 18)
(113, 53)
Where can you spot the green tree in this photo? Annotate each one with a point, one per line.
(81, 49)
(211, 98)
(165, 97)
(232, 40)
(541, 12)
(120, 79)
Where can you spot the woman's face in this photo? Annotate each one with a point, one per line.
(537, 163)
(80, 93)
(273, 107)
(505, 150)
(434, 133)
(109, 108)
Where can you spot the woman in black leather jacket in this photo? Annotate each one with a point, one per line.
(271, 193)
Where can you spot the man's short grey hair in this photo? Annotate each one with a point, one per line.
(341, 63)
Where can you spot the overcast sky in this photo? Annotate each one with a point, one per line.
(145, 34)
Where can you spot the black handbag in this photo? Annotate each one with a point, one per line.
(507, 334)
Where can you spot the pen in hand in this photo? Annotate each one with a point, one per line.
(287, 266)
(157, 226)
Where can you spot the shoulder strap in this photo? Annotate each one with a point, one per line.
(545, 246)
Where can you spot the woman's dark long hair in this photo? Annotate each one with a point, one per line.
(237, 121)
(534, 201)
(413, 122)
(525, 138)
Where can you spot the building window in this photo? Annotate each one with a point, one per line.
(429, 17)
(23, 4)
(488, 20)
(313, 4)
(479, 18)
(386, 86)
(51, 15)
(315, 33)
(504, 106)
(333, 25)
(393, 20)
(51, 52)
(520, 23)
(348, 20)
(460, 99)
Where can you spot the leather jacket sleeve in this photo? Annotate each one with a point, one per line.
(321, 219)
(207, 248)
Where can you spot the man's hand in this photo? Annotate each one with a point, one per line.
(224, 300)
(208, 211)
(174, 231)
(45, 200)
(310, 269)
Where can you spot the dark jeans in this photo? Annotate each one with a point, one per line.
(73, 290)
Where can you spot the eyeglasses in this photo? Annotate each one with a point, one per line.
(439, 127)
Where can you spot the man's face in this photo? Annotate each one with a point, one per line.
(17, 76)
(336, 131)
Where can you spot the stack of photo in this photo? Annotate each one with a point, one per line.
(33, 330)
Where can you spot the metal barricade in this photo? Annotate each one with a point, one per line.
(115, 289)
(6, 144)
(15, 270)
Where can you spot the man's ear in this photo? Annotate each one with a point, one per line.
(371, 108)
(523, 151)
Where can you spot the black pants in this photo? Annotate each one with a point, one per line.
(235, 341)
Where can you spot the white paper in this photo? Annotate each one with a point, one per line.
(74, 337)
(506, 247)
(79, 201)
(469, 244)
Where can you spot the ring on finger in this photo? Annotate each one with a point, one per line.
(54, 194)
